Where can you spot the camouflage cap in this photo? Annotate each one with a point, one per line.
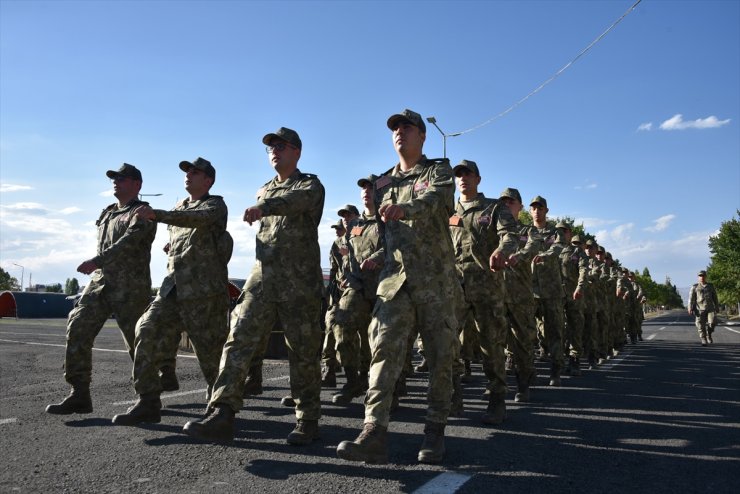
(601, 250)
(591, 243)
(563, 225)
(409, 116)
(539, 200)
(126, 170)
(576, 239)
(284, 134)
(339, 225)
(348, 208)
(511, 194)
(471, 166)
(609, 256)
(701, 273)
(370, 179)
(201, 164)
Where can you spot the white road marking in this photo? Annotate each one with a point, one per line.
(186, 393)
(8, 421)
(444, 483)
(651, 336)
(733, 330)
(94, 348)
(33, 334)
(660, 329)
(613, 362)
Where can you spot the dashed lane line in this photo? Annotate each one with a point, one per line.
(730, 329)
(651, 337)
(8, 421)
(444, 483)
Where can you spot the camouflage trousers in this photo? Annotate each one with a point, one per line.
(158, 331)
(351, 321)
(490, 323)
(522, 336)
(251, 319)
(705, 322)
(85, 322)
(329, 346)
(574, 323)
(469, 340)
(389, 340)
(549, 316)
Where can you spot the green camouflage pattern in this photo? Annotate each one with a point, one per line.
(121, 286)
(285, 287)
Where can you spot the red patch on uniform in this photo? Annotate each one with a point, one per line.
(484, 220)
(356, 230)
(382, 182)
(421, 186)
(455, 220)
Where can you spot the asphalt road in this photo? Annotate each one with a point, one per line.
(664, 416)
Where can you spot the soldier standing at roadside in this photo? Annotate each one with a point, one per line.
(285, 286)
(574, 270)
(120, 285)
(194, 294)
(703, 304)
(414, 200)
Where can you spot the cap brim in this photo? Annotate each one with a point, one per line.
(361, 182)
(185, 165)
(461, 167)
(269, 137)
(111, 174)
(394, 119)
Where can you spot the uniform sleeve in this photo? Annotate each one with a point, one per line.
(307, 195)
(692, 297)
(129, 244)
(208, 212)
(506, 228)
(439, 194)
(583, 272)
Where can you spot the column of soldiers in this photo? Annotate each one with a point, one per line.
(414, 262)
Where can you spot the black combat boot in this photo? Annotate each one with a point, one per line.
(329, 377)
(457, 407)
(218, 426)
(304, 433)
(496, 411)
(146, 409)
(433, 448)
(288, 401)
(400, 389)
(352, 389)
(555, 375)
(371, 446)
(423, 365)
(78, 401)
(168, 379)
(253, 384)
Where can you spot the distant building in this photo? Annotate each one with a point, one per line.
(33, 305)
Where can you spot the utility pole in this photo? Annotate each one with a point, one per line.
(433, 121)
(23, 270)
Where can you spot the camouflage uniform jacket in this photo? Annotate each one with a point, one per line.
(123, 255)
(597, 285)
(288, 257)
(196, 265)
(418, 249)
(703, 297)
(336, 255)
(573, 269)
(518, 278)
(363, 243)
(478, 229)
(546, 279)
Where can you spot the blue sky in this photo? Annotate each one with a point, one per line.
(638, 139)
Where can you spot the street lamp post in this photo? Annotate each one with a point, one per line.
(23, 271)
(433, 121)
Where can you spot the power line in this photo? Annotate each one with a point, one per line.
(552, 78)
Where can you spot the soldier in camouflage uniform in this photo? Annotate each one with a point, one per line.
(334, 292)
(414, 200)
(285, 286)
(194, 294)
(594, 314)
(609, 287)
(120, 285)
(520, 303)
(703, 304)
(482, 229)
(547, 286)
(574, 272)
(362, 265)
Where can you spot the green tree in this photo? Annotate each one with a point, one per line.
(8, 282)
(71, 286)
(56, 288)
(724, 268)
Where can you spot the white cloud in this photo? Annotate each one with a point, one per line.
(70, 210)
(588, 186)
(106, 193)
(645, 126)
(14, 187)
(24, 206)
(661, 223)
(591, 223)
(676, 122)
